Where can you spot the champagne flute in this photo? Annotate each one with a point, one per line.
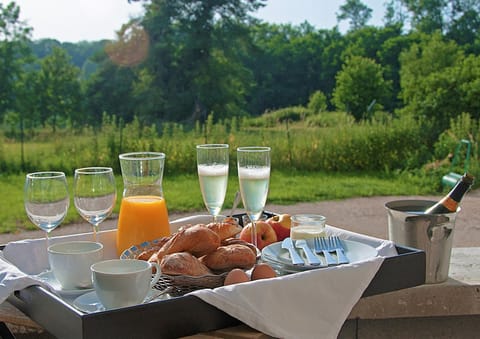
(254, 176)
(212, 166)
(94, 194)
(46, 199)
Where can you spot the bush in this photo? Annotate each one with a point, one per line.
(317, 102)
(330, 119)
(292, 114)
(461, 127)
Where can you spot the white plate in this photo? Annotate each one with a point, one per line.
(280, 258)
(89, 302)
(49, 278)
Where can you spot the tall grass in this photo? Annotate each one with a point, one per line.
(310, 161)
(368, 146)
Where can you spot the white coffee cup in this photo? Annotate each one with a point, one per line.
(123, 282)
(70, 262)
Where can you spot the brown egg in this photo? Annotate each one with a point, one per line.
(235, 276)
(263, 271)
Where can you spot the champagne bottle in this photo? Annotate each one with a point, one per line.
(450, 202)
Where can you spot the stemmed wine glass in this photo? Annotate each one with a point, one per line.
(212, 166)
(46, 199)
(94, 194)
(254, 177)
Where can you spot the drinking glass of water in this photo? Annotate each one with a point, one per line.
(94, 194)
(212, 166)
(46, 199)
(254, 177)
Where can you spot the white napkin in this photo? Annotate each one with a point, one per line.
(310, 304)
(12, 279)
(21, 261)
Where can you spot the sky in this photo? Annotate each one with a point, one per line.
(91, 20)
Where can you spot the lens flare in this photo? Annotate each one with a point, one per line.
(131, 46)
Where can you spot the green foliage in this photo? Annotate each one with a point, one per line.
(461, 127)
(273, 118)
(317, 102)
(439, 82)
(197, 68)
(289, 63)
(59, 81)
(458, 18)
(364, 146)
(209, 57)
(360, 86)
(14, 53)
(330, 119)
(81, 53)
(356, 12)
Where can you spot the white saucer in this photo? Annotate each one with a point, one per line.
(48, 278)
(89, 302)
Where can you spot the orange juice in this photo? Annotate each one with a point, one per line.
(142, 218)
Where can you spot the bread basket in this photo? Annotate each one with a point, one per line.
(177, 284)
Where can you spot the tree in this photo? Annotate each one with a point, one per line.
(394, 13)
(427, 15)
(388, 56)
(291, 62)
(59, 89)
(110, 90)
(458, 19)
(360, 85)
(14, 52)
(26, 107)
(438, 81)
(195, 56)
(356, 12)
(465, 27)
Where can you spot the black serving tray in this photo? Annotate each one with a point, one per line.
(184, 315)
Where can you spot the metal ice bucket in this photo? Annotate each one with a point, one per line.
(408, 226)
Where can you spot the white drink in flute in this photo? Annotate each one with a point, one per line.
(254, 188)
(213, 184)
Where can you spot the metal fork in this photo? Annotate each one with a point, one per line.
(321, 247)
(335, 244)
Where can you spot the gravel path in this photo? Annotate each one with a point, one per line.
(362, 215)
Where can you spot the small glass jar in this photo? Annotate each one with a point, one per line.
(307, 226)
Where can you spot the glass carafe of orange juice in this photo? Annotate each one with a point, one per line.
(143, 211)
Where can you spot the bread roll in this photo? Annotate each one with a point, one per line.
(197, 240)
(226, 229)
(231, 241)
(226, 258)
(182, 263)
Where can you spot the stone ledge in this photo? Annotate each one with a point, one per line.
(458, 296)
